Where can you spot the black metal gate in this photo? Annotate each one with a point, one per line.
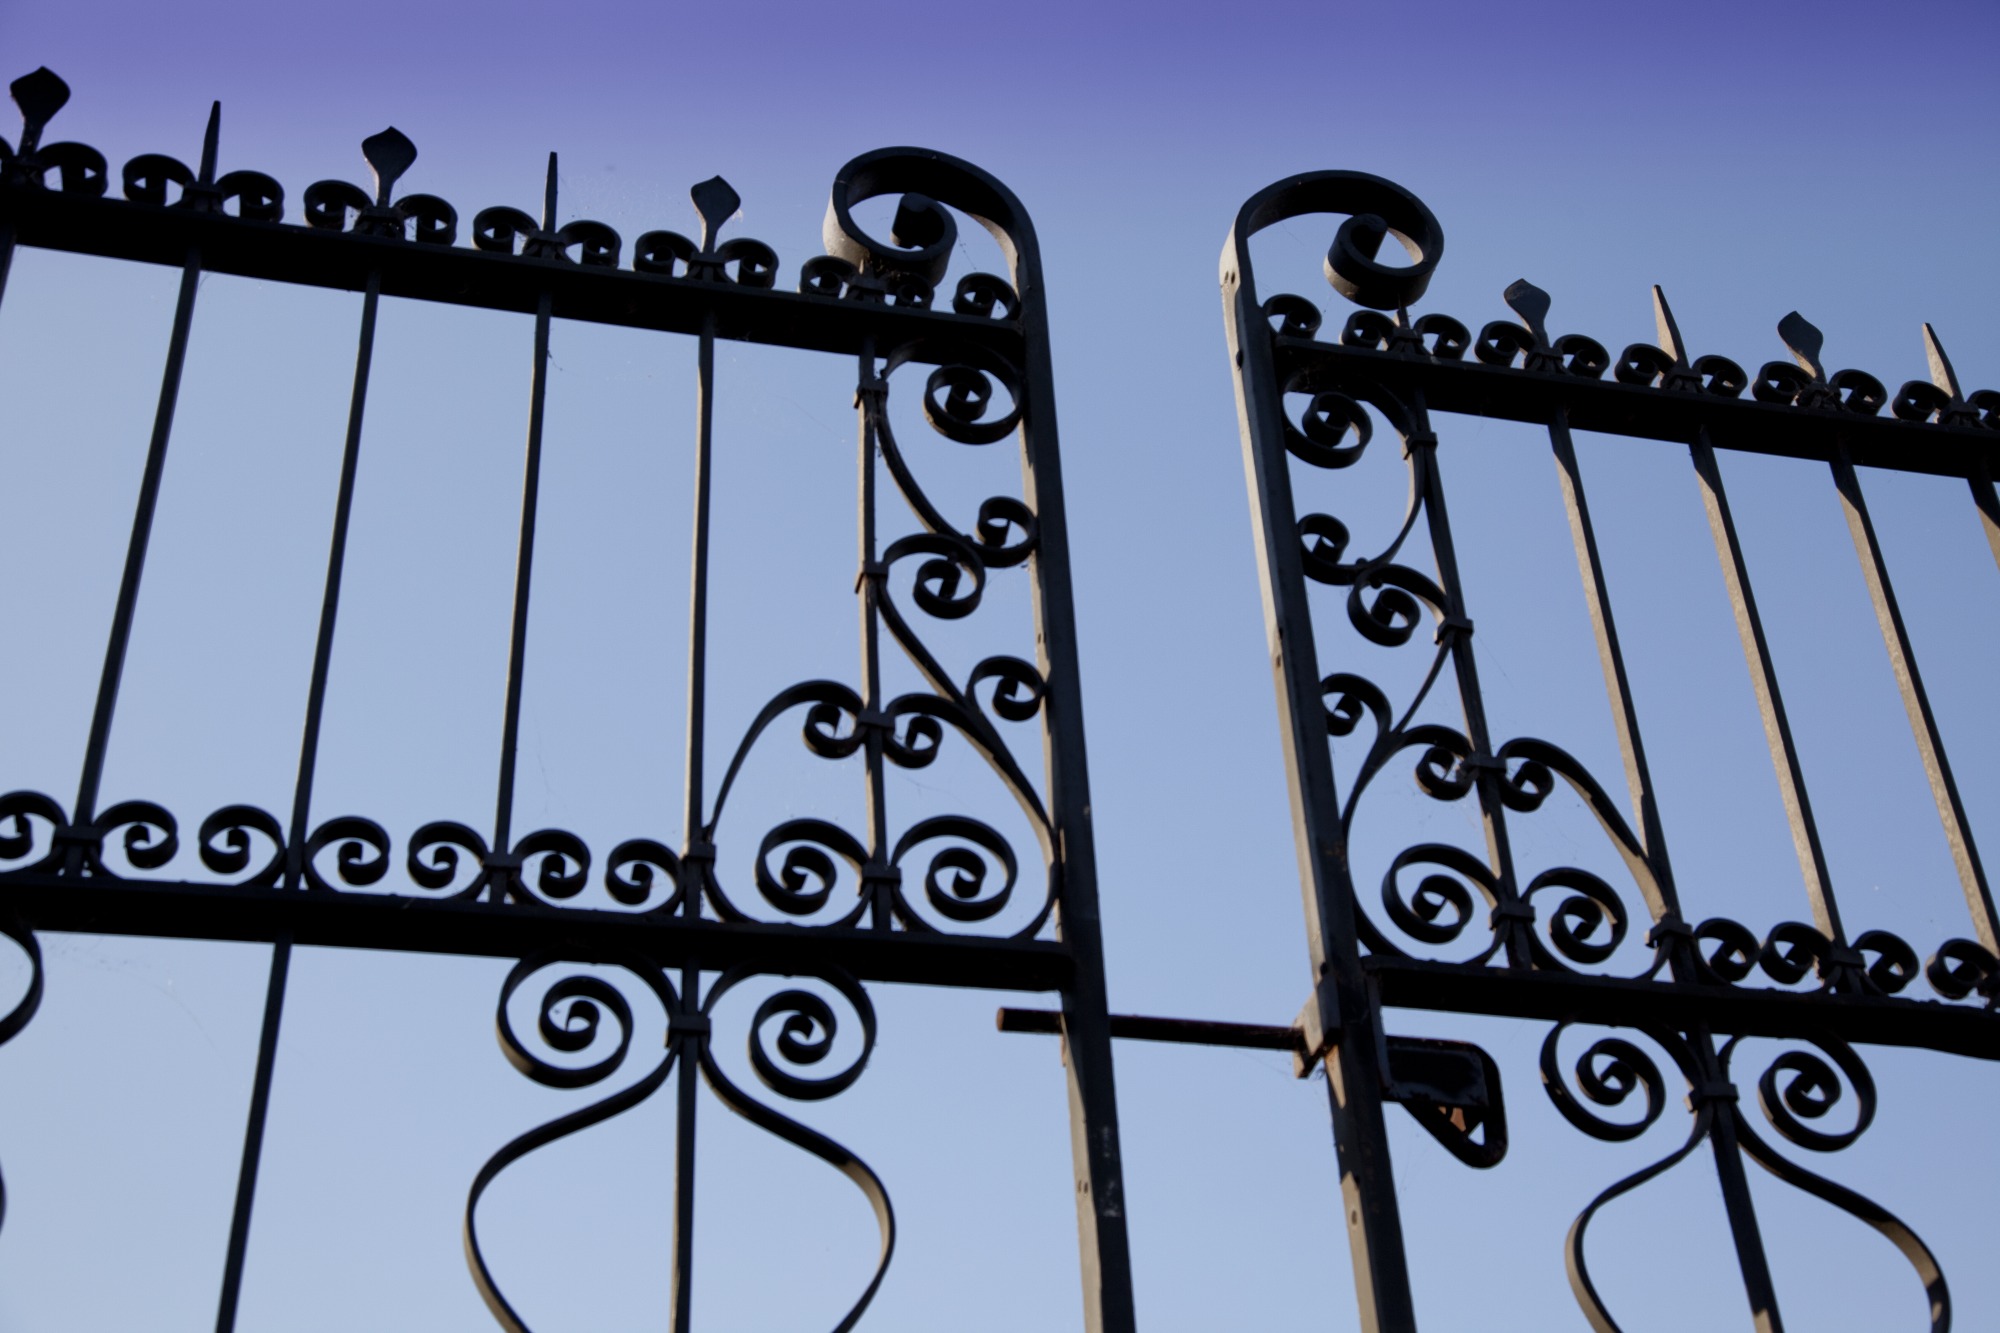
(901, 900)
(1489, 934)
(947, 899)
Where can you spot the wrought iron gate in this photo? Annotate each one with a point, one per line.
(941, 900)
(1533, 941)
(837, 908)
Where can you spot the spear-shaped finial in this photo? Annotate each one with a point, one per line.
(549, 197)
(211, 139)
(1669, 330)
(1804, 340)
(39, 95)
(716, 202)
(1942, 374)
(389, 155)
(1531, 303)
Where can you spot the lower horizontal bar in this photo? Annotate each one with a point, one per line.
(1729, 1010)
(183, 910)
(1606, 1001)
(1187, 1031)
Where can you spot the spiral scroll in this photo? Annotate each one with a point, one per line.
(1796, 1089)
(24, 1008)
(805, 1036)
(570, 1014)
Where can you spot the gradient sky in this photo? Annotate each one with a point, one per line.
(1835, 158)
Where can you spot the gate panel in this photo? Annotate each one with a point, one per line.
(1490, 932)
(697, 906)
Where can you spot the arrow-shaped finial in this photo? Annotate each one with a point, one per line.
(1669, 331)
(389, 155)
(716, 201)
(1942, 374)
(549, 196)
(39, 95)
(1805, 341)
(211, 139)
(1531, 303)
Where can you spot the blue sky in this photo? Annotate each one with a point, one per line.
(1838, 159)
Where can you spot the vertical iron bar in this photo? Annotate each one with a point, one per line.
(1735, 1186)
(697, 680)
(1094, 1147)
(531, 489)
(336, 561)
(253, 1134)
(871, 398)
(1742, 1213)
(1988, 503)
(1916, 701)
(1611, 657)
(142, 519)
(7, 238)
(694, 865)
(1770, 702)
(1422, 446)
(682, 1276)
(281, 950)
(1347, 1009)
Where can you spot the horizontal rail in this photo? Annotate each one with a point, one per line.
(1732, 1010)
(282, 252)
(184, 910)
(1596, 1001)
(1186, 1031)
(1607, 406)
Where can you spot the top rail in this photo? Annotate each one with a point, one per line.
(1645, 411)
(302, 255)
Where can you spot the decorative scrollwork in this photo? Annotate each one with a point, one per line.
(951, 579)
(1960, 967)
(362, 857)
(1322, 434)
(434, 853)
(78, 168)
(570, 1016)
(1735, 953)
(961, 416)
(226, 843)
(956, 880)
(806, 1033)
(509, 231)
(338, 206)
(1587, 927)
(20, 813)
(1018, 687)
(151, 836)
(1607, 1074)
(562, 863)
(632, 868)
(25, 1008)
(803, 881)
(1796, 1087)
(986, 296)
(1799, 1086)
(1439, 909)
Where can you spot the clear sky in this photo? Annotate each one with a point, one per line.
(1837, 158)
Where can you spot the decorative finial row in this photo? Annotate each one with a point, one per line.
(1802, 382)
(158, 180)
